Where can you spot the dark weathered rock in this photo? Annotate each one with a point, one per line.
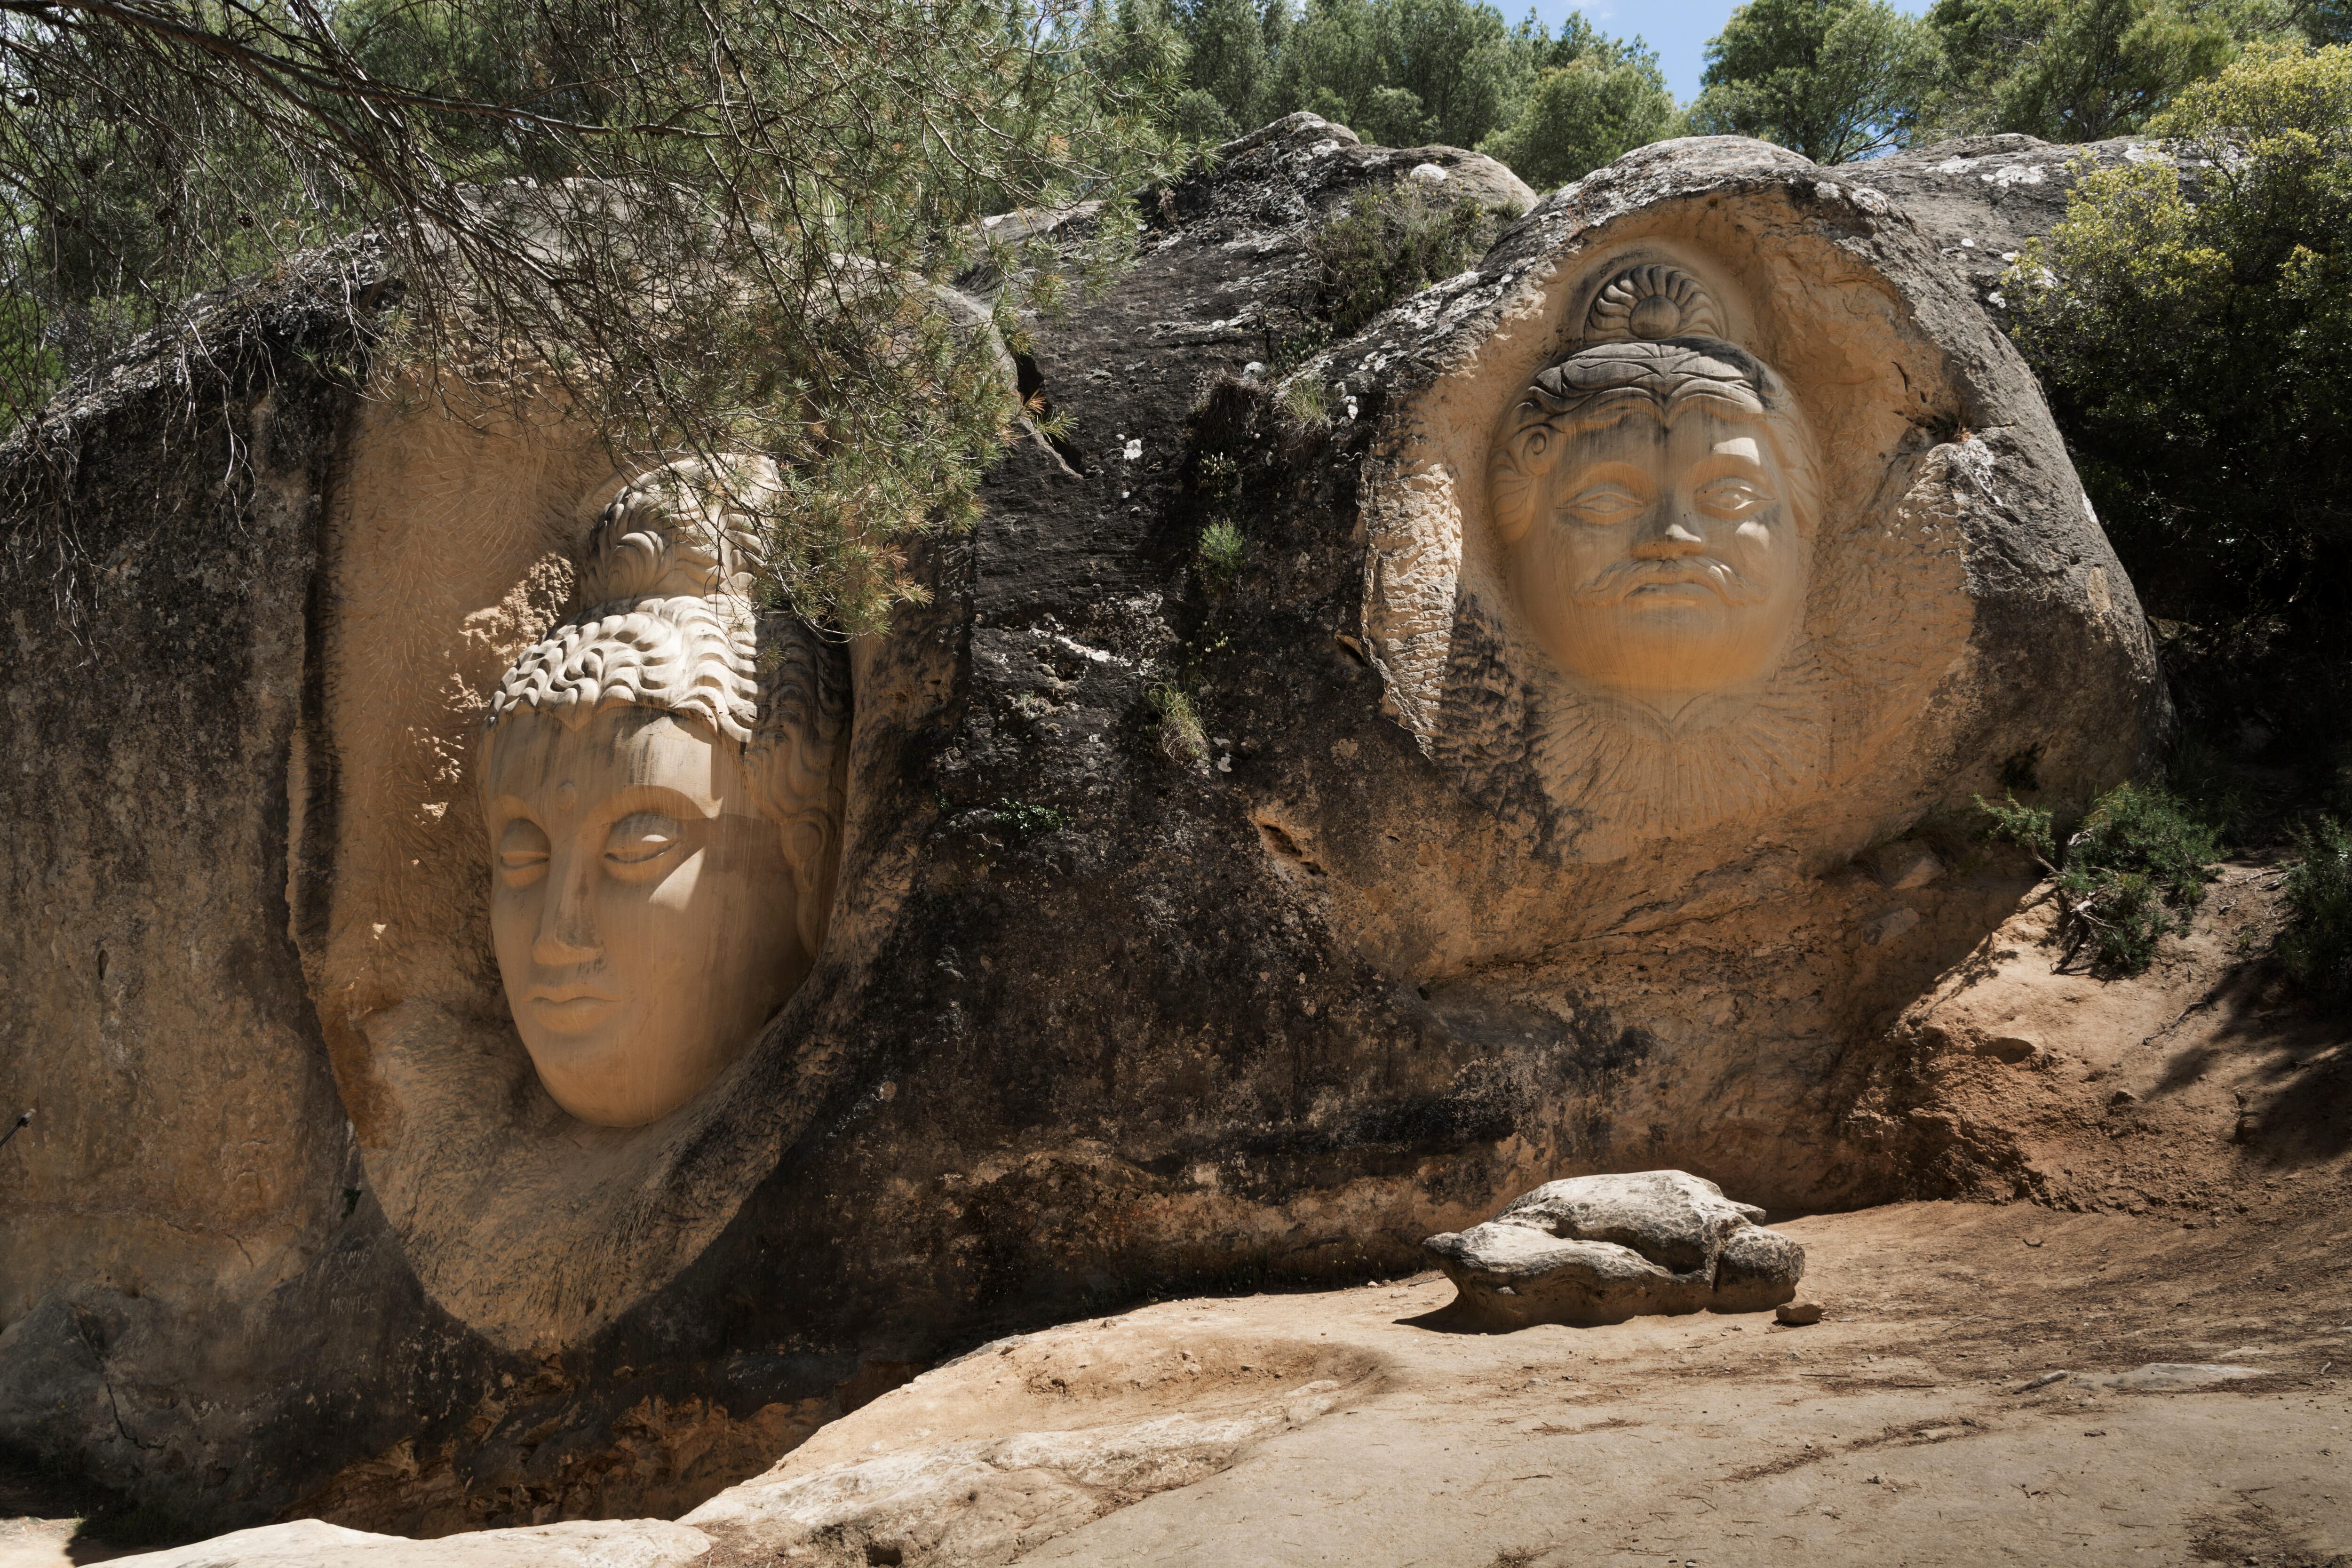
(1979, 199)
(1601, 1249)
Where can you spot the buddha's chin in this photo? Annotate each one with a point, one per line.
(1668, 651)
(587, 1072)
(602, 1105)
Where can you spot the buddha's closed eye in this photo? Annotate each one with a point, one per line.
(1603, 504)
(522, 852)
(1733, 497)
(642, 839)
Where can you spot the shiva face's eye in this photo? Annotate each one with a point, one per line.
(1732, 497)
(522, 853)
(641, 843)
(1602, 505)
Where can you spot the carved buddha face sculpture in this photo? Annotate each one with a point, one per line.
(1656, 494)
(662, 788)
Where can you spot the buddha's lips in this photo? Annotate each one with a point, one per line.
(576, 1013)
(573, 992)
(1626, 578)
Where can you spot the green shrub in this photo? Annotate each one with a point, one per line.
(2027, 826)
(1183, 737)
(2135, 869)
(1390, 242)
(2192, 319)
(2315, 947)
(1220, 551)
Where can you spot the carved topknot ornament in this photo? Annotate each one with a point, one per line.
(1650, 302)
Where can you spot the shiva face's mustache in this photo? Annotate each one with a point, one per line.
(1620, 580)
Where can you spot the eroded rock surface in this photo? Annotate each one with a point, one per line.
(1601, 1249)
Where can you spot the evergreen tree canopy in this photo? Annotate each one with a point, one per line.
(1833, 79)
(1585, 108)
(1401, 73)
(2081, 70)
(2191, 318)
(717, 225)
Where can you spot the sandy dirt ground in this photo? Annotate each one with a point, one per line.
(1892, 1433)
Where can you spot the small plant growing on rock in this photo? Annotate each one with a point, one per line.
(1182, 737)
(1303, 400)
(1028, 818)
(2315, 946)
(1220, 551)
(2133, 870)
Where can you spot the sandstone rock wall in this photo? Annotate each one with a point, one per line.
(191, 1296)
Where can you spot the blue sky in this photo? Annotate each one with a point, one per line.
(1677, 29)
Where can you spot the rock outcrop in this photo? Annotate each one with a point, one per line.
(1435, 901)
(1601, 1249)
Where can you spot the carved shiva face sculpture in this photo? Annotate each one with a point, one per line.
(1655, 493)
(662, 783)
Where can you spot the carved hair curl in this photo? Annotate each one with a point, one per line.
(1581, 390)
(667, 622)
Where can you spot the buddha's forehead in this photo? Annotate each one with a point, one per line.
(1694, 424)
(540, 759)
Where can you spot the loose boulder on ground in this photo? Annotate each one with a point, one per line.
(1601, 1249)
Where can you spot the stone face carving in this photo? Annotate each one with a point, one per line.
(1600, 1249)
(1656, 492)
(660, 785)
(1653, 498)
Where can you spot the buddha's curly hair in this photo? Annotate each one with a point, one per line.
(666, 621)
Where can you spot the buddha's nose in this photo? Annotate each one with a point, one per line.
(567, 925)
(1669, 543)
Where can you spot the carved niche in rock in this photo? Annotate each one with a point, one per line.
(661, 786)
(1667, 558)
(577, 860)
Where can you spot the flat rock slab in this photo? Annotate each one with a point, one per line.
(2175, 1377)
(313, 1543)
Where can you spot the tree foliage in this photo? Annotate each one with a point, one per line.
(1840, 79)
(1402, 73)
(719, 225)
(2081, 70)
(1833, 79)
(2191, 317)
(2315, 945)
(1594, 100)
